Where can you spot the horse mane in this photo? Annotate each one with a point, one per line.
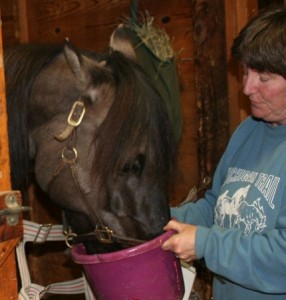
(22, 64)
(137, 113)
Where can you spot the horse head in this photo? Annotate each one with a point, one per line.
(101, 144)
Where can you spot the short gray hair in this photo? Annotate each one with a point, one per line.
(261, 44)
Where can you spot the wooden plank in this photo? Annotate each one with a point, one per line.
(87, 23)
(4, 147)
(237, 14)
(22, 21)
(9, 21)
(6, 231)
(211, 82)
(8, 276)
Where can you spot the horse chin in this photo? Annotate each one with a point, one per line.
(128, 227)
(99, 247)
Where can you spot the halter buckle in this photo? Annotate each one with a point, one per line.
(76, 114)
(42, 233)
(69, 238)
(104, 235)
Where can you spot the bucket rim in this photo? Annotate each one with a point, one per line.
(79, 256)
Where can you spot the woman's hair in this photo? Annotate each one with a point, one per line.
(261, 44)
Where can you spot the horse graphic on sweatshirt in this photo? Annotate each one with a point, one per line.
(235, 212)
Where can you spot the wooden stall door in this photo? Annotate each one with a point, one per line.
(10, 229)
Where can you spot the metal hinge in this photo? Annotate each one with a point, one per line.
(13, 209)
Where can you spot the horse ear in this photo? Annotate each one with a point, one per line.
(121, 40)
(74, 59)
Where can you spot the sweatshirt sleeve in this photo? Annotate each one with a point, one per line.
(199, 213)
(246, 259)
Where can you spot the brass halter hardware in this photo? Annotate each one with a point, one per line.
(104, 234)
(69, 155)
(69, 236)
(74, 119)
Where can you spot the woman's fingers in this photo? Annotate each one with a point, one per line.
(172, 225)
(183, 242)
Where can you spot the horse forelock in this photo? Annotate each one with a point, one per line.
(136, 120)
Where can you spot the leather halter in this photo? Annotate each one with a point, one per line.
(69, 156)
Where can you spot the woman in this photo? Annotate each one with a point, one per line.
(239, 227)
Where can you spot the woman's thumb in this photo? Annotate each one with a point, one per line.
(173, 225)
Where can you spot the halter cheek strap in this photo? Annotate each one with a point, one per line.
(69, 156)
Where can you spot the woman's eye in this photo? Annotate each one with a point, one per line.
(264, 78)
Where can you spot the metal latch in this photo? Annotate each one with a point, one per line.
(13, 208)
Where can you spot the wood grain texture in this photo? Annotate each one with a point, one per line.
(8, 276)
(211, 83)
(238, 12)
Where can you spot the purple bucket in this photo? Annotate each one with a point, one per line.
(144, 272)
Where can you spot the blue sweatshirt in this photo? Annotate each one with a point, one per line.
(242, 219)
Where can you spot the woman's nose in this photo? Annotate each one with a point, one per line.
(250, 82)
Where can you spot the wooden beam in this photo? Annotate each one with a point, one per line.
(23, 22)
(8, 276)
(237, 13)
(4, 147)
(211, 81)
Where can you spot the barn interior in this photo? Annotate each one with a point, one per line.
(211, 100)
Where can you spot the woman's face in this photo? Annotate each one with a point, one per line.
(267, 95)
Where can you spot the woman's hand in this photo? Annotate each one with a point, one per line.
(182, 243)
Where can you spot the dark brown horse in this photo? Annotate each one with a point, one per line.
(95, 133)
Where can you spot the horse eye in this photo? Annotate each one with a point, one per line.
(135, 167)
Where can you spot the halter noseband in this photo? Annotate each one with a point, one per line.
(69, 156)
